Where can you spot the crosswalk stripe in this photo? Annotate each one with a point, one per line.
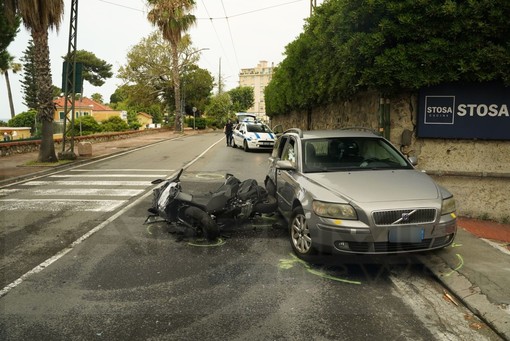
(7, 191)
(87, 183)
(89, 191)
(54, 205)
(122, 170)
(109, 176)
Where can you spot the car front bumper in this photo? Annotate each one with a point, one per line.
(357, 238)
(257, 144)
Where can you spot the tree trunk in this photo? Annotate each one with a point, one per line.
(177, 89)
(46, 107)
(9, 93)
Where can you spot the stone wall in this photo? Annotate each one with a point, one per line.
(476, 172)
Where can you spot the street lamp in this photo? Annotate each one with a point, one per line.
(194, 117)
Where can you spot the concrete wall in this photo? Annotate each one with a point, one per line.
(476, 172)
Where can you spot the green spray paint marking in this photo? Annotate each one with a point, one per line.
(461, 264)
(456, 245)
(205, 243)
(289, 263)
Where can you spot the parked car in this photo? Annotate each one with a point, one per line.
(252, 135)
(352, 191)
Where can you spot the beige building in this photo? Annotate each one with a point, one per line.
(85, 107)
(258, 78)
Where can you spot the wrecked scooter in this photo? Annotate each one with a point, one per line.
(233, 199)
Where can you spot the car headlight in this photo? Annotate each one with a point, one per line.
(448, 206)
(334, 210)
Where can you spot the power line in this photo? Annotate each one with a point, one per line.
(209, 17)
(250, 12)
(230, 33)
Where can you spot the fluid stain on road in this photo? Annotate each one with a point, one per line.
(289, 263)
(207, 243)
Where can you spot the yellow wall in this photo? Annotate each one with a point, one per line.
(16, 133)
(104, 115)
(144, 120)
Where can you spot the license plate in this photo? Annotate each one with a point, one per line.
(410, 234)
(265, 143)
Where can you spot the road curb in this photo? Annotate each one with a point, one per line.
(496, 316)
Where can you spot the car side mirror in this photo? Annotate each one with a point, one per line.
(413, 160)
(285, 165)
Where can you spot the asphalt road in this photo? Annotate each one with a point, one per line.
(79, 264)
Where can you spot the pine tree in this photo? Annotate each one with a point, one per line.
(28, 83)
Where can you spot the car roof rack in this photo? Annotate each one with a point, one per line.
(294, 130)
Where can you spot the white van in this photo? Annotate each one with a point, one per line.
(246, 117)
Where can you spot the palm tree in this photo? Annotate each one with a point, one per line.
(15, 67)
(172, 18)
(38, 16)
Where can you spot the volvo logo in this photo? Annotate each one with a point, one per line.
(405, 217)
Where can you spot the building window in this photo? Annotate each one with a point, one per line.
(61, 115)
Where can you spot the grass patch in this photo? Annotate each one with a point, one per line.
(47, 164)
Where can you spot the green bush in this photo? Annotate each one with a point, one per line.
(114, 123)
(200, 122)
(86, 125)
(24, 119)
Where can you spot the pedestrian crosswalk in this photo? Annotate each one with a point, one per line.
(79, 190)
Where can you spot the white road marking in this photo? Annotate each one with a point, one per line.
(87, 183)
(122, 170)
(113, 192)
(108, 176)
(55, 205)
(6, 191)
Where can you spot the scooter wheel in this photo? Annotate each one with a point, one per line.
(267, 206)
(201, 220)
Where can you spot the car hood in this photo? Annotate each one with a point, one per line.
(378, 185)
(261, 136)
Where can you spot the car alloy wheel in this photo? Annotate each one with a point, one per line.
(245, 145)
(300, 238)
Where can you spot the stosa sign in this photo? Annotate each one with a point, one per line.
(482, 110)
(477, 111)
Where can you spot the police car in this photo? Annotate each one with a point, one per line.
(253, 135)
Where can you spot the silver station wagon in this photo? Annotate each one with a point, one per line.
(352, 191)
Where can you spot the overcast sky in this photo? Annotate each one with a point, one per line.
(239, 32)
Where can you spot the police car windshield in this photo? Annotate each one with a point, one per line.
(258, 128)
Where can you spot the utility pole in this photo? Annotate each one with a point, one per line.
(313, 5)
(219, 79)
(69, 79)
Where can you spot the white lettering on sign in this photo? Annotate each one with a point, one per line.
(439, 110)
(482, 110)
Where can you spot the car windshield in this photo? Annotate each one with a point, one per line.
(342, 154)
(258, 128)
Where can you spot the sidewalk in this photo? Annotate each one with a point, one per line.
(476, 268)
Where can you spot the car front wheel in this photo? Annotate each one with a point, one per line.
(300, 238)
(245, 145)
